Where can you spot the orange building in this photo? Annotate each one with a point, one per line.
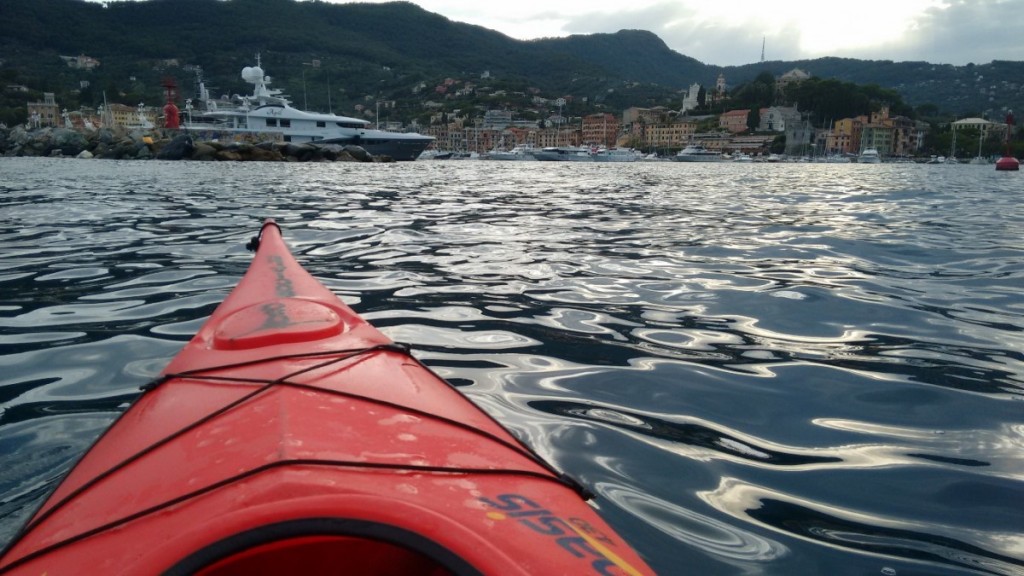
(600, 129)
(735, 121)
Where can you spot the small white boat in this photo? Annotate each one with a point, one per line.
(435, 155)
(697, 153)
(833, 159)
(869, 156)
(521, 153)
(653, 157)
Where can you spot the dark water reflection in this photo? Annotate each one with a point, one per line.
(775, 369)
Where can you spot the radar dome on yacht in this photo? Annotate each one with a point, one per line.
(252, 74)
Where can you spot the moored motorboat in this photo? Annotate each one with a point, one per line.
(564, 154)
(697, 153)
(291, 436)
(521, 153)
(616, 155)
(869, 156)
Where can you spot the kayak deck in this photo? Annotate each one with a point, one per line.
(291, 435)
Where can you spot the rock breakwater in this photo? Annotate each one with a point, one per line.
(120, 144)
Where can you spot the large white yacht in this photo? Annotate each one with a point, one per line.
(268, 112)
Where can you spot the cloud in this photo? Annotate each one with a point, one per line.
(962, 32)
(958, 33)
(951, 31)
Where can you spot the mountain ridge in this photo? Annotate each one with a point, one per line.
(379, 50)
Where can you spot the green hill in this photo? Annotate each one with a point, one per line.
(370, 52)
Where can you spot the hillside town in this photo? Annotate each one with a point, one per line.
(775, 131)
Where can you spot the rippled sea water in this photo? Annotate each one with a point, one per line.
(759, 368)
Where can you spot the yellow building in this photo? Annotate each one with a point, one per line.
(644, 115)
(668, 134)
(133, 116)
(846, 135)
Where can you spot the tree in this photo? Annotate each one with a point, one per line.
(754, 119)
(760, 93)
(778, 145)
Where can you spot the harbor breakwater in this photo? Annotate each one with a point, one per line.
(122, 144)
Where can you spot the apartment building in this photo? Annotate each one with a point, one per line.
(668, 134)
(600, 129)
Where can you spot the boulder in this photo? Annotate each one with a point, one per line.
(103, 150)
(229, 154)
(262, 154)
(300, 152)
(69, 142)
(181, 146)
(359, 153)
(124, 149)
(105, 136)
(204, 151)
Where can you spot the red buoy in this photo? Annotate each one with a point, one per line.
(1008, 163)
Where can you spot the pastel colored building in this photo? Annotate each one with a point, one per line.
(734, 121)
(600, 129)
(668, 134)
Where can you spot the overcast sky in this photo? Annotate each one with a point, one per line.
(730, 32)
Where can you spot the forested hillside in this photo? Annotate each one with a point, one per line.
(369, 52)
